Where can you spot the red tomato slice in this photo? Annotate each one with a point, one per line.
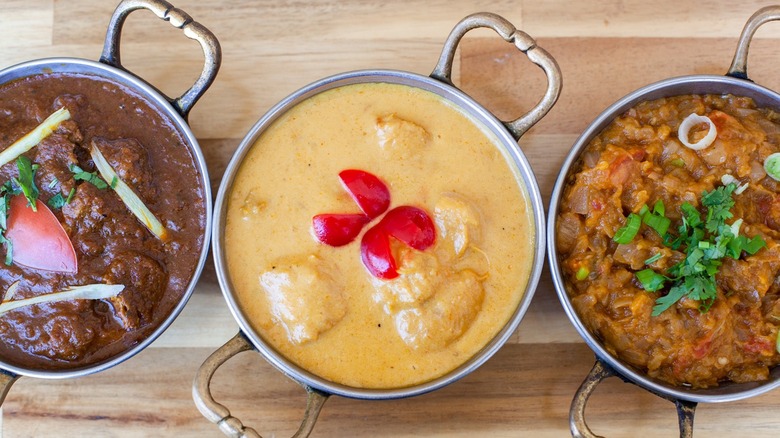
(338, 229)
(368, 191)
(38, 239)
(410, 225)
(376, 254)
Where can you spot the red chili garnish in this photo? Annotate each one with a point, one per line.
(410, 225)
(376, 254)
(338, 229)
(38, 239)
(368, 191)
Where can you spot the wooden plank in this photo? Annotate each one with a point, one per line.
(523, 390)
(597, 72)
(25, 23)
(634, 18)
(300, 24)
(271, 48)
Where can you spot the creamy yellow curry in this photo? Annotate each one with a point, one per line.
(318, 304)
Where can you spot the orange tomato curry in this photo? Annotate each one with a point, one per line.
(636, 161)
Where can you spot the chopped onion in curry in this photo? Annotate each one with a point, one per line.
(128, 196)
(85, 292)
(727, 179)
(32, 138)
(690, 122)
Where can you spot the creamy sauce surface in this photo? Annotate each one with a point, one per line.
(317, 304)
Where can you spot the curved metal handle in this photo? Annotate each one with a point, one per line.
(521, 40)
(7, 379)
(764, 15)
(179, 19)
(220, 415)
(600, 371)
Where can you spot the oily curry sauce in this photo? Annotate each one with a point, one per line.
(317, 304)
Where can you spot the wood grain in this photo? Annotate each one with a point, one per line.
(271, 48)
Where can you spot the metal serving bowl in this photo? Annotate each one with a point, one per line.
(176, 110)
(734, 82)
(440, 84)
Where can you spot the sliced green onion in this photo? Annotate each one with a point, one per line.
(86, 292)
(659, 223)
(677, 162)
(626, 233)
(651, 281)
(32, 138)
(772, 166)
(753, 245)
(657, 256)
(70, 195)
(659, 208)
(582, 273)
(128, 196)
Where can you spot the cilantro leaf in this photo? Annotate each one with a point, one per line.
(668, 300)
(26, 180)
(80, 174)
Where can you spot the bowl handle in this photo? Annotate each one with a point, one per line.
(179, 19)
(601, 371)
(521, 40)
(764, 15)
(220, 415)
(7, 379)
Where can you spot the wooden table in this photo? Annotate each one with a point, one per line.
(271, 48)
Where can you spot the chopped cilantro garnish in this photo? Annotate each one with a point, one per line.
(6, 191)
(58, 201)
(80, 174)
(704, 241)
(26, 180)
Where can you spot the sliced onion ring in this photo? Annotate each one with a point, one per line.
(691, 121)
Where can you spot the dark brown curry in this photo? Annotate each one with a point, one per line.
(112, 246)
(638, 162)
